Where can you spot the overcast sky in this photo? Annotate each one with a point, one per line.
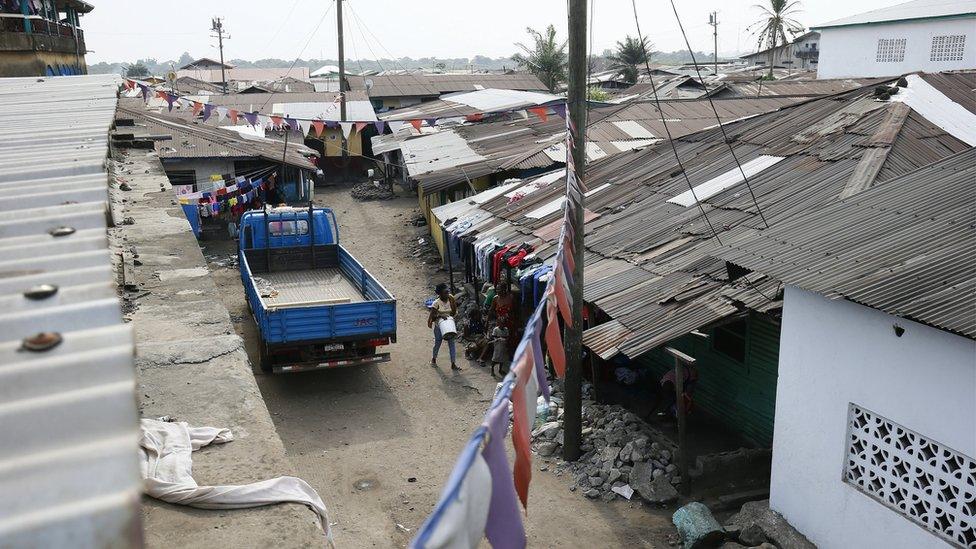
(118, 30)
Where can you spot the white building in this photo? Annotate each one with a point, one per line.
(800, 54)
(923, 35)
(875, 428)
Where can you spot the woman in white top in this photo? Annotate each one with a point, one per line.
(442, 307)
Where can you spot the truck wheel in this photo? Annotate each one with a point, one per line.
(264, 362)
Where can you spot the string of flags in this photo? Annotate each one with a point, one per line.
(482, 496)
(242, 191)
(306, 126)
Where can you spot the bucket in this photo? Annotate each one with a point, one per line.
(447, 328)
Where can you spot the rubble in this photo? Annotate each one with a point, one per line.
(770, 524)
(621, 454)
(372, 190)
(697, 527)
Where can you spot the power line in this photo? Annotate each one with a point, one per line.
(667, 130)
(307, 42)
(718, 119)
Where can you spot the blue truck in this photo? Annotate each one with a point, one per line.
(314, 304)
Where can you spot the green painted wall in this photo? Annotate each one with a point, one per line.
(742, 396)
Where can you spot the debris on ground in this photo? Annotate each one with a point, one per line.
(756, 522)
(621, 456)
(418, 220)
(697, 527)
(372, 190)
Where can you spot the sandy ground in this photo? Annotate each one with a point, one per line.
(378, 442)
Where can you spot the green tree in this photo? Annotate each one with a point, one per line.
(546, 58)
(597, 94)
(631, 54)
(137, 70)
(774, 25)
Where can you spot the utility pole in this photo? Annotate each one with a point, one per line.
(576, 106)
(342, 89)
(217, 26)
(713, 21)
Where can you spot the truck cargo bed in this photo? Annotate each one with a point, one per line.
(305, 287)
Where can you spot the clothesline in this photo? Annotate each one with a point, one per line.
(318, 125)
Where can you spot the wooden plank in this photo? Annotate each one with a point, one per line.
(874, 158)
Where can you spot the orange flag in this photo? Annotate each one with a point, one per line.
(562, 299)
(541, 112)
(554, 341)
(360, 126)
(233, 114)
(318, 125)
(197, 107)
(416, 124)
(476, 117)
(161, 94)
(276, 121)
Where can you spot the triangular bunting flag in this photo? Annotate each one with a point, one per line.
(197, 107)
(541, 112)
(252, 118)
(233, 114)
(170, 99)
(559, 110)
(395, 125)
(431, 122)
(207, 111)
(221, 113)
(161, 94)
(380, 126)
(277, 121)
(346, 129)
(416, 124)
(554, 340)
(318, 126)
(360, 126)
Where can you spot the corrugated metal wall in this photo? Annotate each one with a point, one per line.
(740, 396)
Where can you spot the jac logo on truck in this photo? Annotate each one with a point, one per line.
(365, 321)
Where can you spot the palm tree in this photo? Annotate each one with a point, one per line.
(630, 55)
(773, 26)
(545, 59)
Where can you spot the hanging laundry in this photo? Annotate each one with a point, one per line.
(504, 527)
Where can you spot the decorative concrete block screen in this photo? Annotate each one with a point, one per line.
(948, 47)
(891, 50)
(919, 478)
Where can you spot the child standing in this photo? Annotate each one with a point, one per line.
(499, 355)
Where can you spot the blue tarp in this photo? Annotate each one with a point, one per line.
(193, 216)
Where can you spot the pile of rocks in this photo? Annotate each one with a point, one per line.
(622, 455)
(370, 190)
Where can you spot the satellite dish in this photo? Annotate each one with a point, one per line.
(369, 84)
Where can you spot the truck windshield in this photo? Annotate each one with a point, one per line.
(288, 228)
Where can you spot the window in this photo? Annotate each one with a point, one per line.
(730, 340)
(948, 47)
(891, 50)
(930, 484)
(288, 228)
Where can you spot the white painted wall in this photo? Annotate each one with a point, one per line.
(205, 167)
(847, 52)
(833, 352)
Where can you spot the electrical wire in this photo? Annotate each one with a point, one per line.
(667, 130)
(307, 42)
(725, 136)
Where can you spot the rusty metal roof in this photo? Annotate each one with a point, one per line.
(829, 146)
(176, 138)
(433, 85)
(907, 247)
(795, 88)
(68, 419)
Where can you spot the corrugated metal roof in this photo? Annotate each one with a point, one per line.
(190, 139)
(826, 142)
(907, 247)
(795, 88)
(68, 469)
(918, 9)
(432, 85)
(464, 104)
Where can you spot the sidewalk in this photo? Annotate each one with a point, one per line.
(191, 365)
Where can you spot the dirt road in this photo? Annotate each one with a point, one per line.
(379, 442)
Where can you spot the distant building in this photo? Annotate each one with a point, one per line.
(205, 64)
(802, 53)
(42, 38)
(394, 91)
(923, 35)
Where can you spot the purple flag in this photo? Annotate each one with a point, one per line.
(252, 118)
(292, 125)
(170, 99)
(331, 124)
(207, 111)
(560, 110)
(431, 122)
(145, 91)
(380, 126)
(504, 527)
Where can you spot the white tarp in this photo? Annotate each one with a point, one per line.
(938, 109)
(167, 471)
(496, 100)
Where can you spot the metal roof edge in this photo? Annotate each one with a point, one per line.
(892, 21)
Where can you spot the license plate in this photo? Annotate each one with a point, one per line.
(334, 347)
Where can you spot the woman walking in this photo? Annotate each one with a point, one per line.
(443, 307)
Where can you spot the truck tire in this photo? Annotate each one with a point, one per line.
(264, 362)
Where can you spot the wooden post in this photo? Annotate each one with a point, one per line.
(576, 109)
(680, 360)
(342, 89)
